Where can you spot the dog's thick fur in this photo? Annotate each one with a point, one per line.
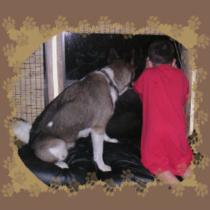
(81, 109)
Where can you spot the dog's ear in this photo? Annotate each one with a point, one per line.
(112, 55)
(129, 56)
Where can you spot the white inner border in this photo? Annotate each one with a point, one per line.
(55, 66)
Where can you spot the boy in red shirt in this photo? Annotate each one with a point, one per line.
(163, 89)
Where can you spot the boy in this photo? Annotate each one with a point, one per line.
(163, 89)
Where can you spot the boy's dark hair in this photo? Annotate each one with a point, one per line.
(161, 52)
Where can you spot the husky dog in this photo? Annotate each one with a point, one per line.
(83, 108)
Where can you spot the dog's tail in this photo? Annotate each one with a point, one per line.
(21, 129)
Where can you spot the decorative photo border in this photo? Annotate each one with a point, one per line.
(29, 36)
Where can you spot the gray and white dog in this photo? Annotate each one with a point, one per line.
(83, 108)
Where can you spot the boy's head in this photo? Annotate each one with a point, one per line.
(161, 52)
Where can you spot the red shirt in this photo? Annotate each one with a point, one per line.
(164, 92)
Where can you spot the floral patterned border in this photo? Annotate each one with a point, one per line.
(28, 38)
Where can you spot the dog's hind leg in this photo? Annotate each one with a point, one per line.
(108, 139)
(52, 150)
(98, 142)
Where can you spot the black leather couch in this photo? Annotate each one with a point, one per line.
(125, 125)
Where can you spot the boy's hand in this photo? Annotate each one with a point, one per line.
(174, 63)
(149, 64)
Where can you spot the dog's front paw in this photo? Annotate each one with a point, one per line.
(111, 140)
(105, 168)
(61, 164)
